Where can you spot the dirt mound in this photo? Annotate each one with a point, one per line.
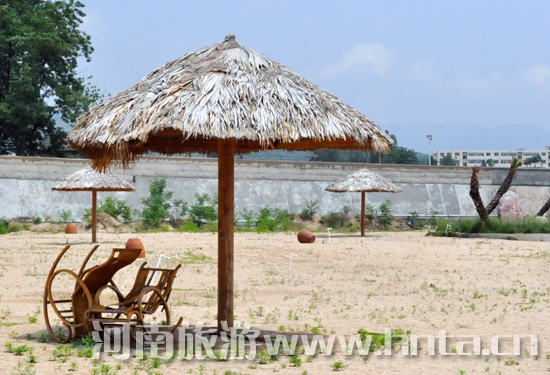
(106, 223)
(47, 227)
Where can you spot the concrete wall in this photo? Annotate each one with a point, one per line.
(25, 185)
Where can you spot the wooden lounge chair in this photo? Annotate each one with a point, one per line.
(145, 304)
(73, 311)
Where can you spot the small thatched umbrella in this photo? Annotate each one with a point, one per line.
(224, 99)
(88, 179)
(363, 181)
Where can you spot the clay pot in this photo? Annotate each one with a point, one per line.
(305, 236)
(135, 243)
(70, 229)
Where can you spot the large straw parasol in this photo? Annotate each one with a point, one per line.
(225, 99)
(363, 181)
(88, 179)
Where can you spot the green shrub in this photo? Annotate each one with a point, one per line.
(188, 226)
(205, 210)
(271, 219)
(117, 208)
(37, 220)
(385, 218)
(65, 216)
(249, 218)
(335, 220)
(156, 206)
(178, 210)
(494, 225)
(370, 211)
(4, 226)
(309, 210)
(414, 220)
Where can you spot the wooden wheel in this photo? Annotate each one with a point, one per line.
(151, 322)
(64, 309)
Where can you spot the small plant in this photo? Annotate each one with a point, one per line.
(337, 366)
(335, 220)
(296, 361)
(65, 216)
(205, 210)
(73, 366)
(264, 358)
(117, 208)
(156, 206)
(24, 370)
(310, 209)
(414, 220)
(385, 218)
(346, 210)
(248, 217)
(20, 350)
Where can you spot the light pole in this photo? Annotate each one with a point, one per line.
(429, 137)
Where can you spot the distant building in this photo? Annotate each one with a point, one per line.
(500, 158)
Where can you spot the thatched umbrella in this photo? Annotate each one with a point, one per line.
(88, 179)
(224, 99)
(363, 181)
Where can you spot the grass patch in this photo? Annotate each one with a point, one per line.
(494, 225)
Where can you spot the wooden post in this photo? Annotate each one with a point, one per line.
(94, 216)
(362, 214)
(226, 208)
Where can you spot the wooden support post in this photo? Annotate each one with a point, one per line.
(94, 216)
(226, 216)
(362, 214)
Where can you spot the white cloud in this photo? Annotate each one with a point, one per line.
(478, 85)
(375, 57)
(538, 75)
(423, 71)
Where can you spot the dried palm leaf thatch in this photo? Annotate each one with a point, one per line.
(223, 91)
(363, 181)
(88, 179)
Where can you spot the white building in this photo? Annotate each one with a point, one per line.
(499, 158)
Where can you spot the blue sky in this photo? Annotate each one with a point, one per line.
(450, 68)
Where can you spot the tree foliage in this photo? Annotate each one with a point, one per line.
(396, 155)
(157, 205)
(447, 160)
(40, 44)
(533, 160)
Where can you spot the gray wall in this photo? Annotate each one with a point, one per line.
(25, 185)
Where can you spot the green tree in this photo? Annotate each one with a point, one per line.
(488, 163)
(40, 44)
(157, 205)
(533, 160)
(447, 160)
(398, 154)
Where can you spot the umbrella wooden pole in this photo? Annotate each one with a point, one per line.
(362, 214)
(94, 216)
(226, 208)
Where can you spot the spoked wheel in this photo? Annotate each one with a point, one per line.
(152, 322)
(64, 308)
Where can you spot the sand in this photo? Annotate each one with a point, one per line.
(397, 280)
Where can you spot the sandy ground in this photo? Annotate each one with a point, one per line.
(386, 280)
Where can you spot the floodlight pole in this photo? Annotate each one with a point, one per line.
(226, 212)
(429, 137)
